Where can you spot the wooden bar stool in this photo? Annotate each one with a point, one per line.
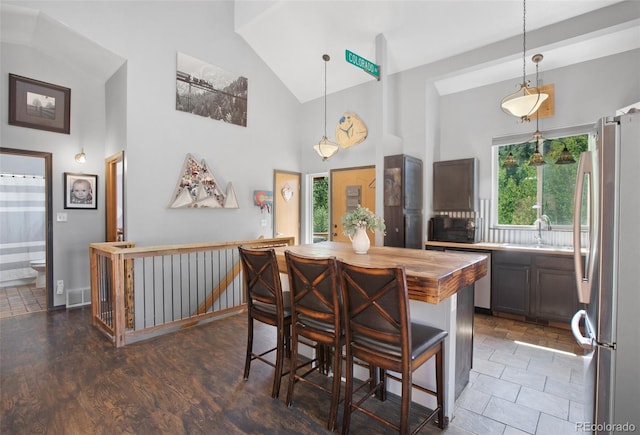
(267, 303)
(316, 315)
(378, 330)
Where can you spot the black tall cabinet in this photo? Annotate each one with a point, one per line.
(403, 201)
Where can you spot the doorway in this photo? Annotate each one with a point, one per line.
(286, 204)
(114, 197)
(350, 187)
(318, 207)
(26, 242)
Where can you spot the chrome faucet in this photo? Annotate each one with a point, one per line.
(544, 219)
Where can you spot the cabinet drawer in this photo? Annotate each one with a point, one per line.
(510, 257)
(562, 262)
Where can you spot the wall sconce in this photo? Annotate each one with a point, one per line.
(81, 157)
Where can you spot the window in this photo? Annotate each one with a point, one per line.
(524, 192)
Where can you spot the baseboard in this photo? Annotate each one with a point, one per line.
(480, 310)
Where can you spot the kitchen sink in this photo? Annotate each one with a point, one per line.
(541, 246)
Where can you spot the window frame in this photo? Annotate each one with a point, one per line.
(584, 129)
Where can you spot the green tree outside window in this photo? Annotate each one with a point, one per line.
(520, 187)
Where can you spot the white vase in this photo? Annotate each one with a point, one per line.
(360, 241)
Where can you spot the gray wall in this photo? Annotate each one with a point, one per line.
(583, 93)
(135, 110)
(71, 238)
(463, 124)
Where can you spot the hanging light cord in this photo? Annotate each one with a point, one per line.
(325, 57)
(524, 41)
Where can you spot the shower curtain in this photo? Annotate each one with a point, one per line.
(22, 227)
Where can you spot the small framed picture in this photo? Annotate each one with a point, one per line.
(80, 191)
(40, 105)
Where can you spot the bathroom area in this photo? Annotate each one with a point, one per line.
(23, 237)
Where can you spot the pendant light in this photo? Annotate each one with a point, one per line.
(325, 148)
(527, 100)
(510, 161)
(537, 159)
(565, 157)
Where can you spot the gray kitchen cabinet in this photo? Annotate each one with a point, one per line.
(510, 283)
(555, 298)
(455, 185)
(540, 287)
(403, 201)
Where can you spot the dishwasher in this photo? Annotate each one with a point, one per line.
(482, 288)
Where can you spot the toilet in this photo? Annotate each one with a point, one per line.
(40, 266)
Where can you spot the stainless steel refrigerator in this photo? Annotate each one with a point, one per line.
(608, 276)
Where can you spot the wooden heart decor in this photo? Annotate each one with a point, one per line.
(287, 193)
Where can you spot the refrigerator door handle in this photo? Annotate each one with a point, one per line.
(583, 280)
(584, 342)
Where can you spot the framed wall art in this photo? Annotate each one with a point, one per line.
(40, 105)
(80, 191)
(210, 91)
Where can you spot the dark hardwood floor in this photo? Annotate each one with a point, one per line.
(59, 375)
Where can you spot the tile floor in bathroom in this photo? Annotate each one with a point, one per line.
(21, 300)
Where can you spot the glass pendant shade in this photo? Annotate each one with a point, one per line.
(510, 162)
(524, 102)
(325, 148)
(536, 158)
(565, 157)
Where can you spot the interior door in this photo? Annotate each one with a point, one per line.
(286, 204)
(114, 197)
(350, 187)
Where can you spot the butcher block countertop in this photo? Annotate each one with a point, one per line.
(487, 246)
(432, 276)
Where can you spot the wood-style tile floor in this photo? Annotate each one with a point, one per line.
(59, 375)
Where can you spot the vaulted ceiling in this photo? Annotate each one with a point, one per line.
(468, 43)
(463, 43)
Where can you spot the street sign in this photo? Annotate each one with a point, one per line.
(362, 63)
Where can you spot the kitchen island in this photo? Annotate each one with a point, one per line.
(440, 286)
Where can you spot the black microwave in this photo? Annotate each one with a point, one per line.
(448, 229)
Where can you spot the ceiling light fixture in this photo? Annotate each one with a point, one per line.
(537, 159)
(325, 148)
(565, 157)
(527, 100)
(81, 157)
(510, 161)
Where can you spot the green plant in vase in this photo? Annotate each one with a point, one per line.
(356, 223)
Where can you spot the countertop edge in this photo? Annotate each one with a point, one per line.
(489, 246)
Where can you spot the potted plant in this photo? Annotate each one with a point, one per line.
(356, 223)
